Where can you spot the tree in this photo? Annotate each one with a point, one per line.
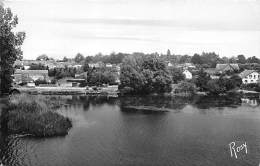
(42, 57)
(196, 59)
(232, 59)
(223, 60)
(39, 66)
(99, 77)
(185, 59)
(145, 74)
(10, 46)
(253, 60)
(236, 80)
(241, 59)
(176, 75)
(216, 87)
(202, 80)
(168, 53)
(65, 59)
(210, 58)
(88, 59)
(186, 87)
(79, 58)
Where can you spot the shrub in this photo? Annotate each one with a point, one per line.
(216, 87)
(186, 87)
(33, 115)
(40, 81)
(252, 86)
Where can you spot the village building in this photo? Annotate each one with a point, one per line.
(77, 66)
(109, 65)
(187, 74)
(250, 76)
(21, 76)
(169, 64)
(249, 102)
(223, 68)
(214, 73)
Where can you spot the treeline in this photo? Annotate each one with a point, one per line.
(145, 74)
(59, 73)
(113, 58)
(100, 76)
(205, 59)
(218, 86)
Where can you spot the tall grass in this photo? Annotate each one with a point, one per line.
(33, 115)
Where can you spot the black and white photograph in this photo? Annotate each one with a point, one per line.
(129, 82)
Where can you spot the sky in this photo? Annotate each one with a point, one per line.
(61, 28)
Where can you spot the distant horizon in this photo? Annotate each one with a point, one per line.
(61, 28)
(132, 53)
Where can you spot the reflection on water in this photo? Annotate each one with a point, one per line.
(196, 132)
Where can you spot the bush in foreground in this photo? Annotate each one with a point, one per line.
(34, 116)
(185, 88)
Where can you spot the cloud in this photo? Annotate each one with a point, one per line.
(1, 2)
(65, 27)
(246, 25)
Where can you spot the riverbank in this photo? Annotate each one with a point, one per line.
(66, 91)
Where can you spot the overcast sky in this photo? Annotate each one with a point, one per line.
(65, 27)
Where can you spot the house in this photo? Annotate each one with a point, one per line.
(30, 75)
(77, 66)
(187, 74)
(169, 64)
(249, 102)
(109, 65)
(189, 66)
(250, 76)
(222, 68)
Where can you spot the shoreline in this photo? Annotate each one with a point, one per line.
(106, 92)
(63, 91)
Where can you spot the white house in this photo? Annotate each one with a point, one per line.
(187, 74)
(109, 65)
(169, 64)
(249, 76)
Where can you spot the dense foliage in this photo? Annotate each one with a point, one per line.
(43, 57)
(101, 76)
(176, 74)
(59, 73)
(252, 86)
(185, 88)
(35, 116)
(144, 74)
(38, 66)
(218, 86)
(10, 46)
(40, 81)
(79, 58)
(202, 80)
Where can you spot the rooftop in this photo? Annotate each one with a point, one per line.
(220, 67)
(31, 71)
(246, 73)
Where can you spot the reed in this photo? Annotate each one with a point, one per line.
(35, 116)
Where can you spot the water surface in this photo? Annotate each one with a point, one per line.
(196, 132)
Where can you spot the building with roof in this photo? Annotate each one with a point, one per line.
(222, 68)
(187, 74)
(250, 76)
(21, 76)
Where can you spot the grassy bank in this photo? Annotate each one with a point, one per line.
(33, 115)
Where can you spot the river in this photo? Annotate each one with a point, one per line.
(196, 132)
